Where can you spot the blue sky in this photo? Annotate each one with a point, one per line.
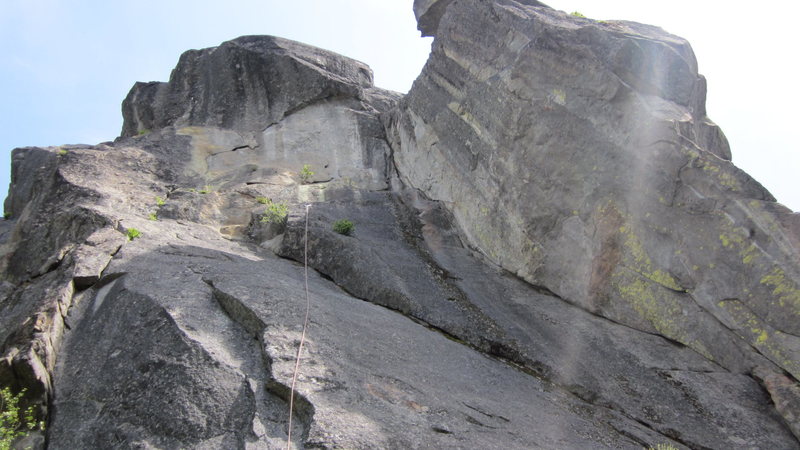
(66, 65)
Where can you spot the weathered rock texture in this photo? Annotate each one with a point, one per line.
(552, 250)
(248, 83)
(577, 155)
(429, 13)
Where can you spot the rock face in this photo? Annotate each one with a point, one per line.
(429, 13)
(248, 83)
(577, 155)
(551, 250)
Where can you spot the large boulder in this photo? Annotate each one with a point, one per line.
(577, 154)
(248, 83)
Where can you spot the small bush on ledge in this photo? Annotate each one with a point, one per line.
(275, 213)
(343, 226)
(306, 174)
(14, 423)
(133, 233)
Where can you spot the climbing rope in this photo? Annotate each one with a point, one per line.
(302, 336)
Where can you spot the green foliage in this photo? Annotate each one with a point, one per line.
(6, 215)
(577, 14)
(160, 201)
(343, 226)
(206, 189)
(12, 426)
(133, 233)
(143, 131)
(152, 216)
(62, 151)
(663, 447)
(306, 174)
(275, 212)
(262, 200)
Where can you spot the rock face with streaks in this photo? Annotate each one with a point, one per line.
(577, 155)
(551, 250)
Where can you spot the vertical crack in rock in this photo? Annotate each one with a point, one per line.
(128, 361)
(271, 410)
(32, 334)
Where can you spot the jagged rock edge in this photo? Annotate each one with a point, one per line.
(240, 313)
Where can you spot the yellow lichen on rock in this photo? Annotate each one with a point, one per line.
(640, 262)
(722, 176)
(659, 307)
(737, 239)
(774, 344)
(783, 288)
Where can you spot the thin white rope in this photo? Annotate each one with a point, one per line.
(303, 336)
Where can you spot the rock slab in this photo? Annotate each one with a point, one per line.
(577, 154)
(513, 281)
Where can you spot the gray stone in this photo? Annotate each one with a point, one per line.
(577, 155)
(147, 383)
(92, 257)
(785, 394)
(379, 380)
(173, 339)
(248, 83)
(689, 399)
(429, 13)
(498, 291)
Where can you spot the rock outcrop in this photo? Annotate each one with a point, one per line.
(248, 83)
(551, 250)
(577, 154)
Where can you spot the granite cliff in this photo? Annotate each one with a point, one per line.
(552, 249)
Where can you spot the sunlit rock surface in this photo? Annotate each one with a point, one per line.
(247, 83)
(514, 279)
(577, 154)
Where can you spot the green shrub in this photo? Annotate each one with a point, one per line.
(663, 447)
(577, 14)
(133, 233)
(160, 201)
(343, 226)
(12, 426)
(262, 200)
(62, 151)
(275, 212)
(306, 174)
(152, 216)
(143, 131)
(206, 189)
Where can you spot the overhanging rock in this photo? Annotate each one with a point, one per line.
(578, 155)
